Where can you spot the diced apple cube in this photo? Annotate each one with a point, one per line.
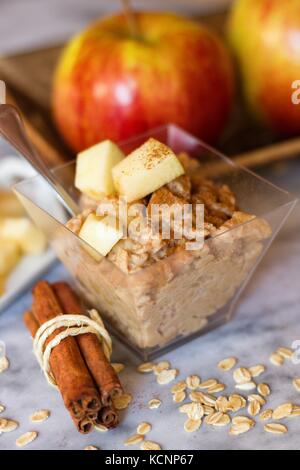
(94, 169)
(9, 256)
(23, 232)
(145, 170)
(101, 233)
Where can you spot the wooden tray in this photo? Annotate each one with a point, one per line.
(28, 77)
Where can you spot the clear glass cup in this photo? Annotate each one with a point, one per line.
(186, 294)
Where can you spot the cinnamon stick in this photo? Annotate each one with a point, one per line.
(73, 379)
(83, 425)
(100, 368)
(30, 323)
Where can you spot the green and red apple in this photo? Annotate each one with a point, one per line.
(111, 84)
(265, 35)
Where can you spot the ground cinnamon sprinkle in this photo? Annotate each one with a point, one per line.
(156, 154)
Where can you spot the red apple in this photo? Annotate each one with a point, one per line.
(265, 35)
(110, 84)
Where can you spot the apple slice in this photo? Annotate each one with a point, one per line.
(23, 232)
(93, 169)
(101, 233)
(145, 170)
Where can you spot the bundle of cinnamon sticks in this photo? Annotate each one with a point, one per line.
(83, 374)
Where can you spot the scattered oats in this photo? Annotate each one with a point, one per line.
(255, 397)
(207, 384)
(4, 363)
(192, 382)
(296, 383)
(179, 397)
(213, 418)
(192, 425)
(39, 416)
(264, 390)
(255, 371)
(222, 404)
(277, 359)
(179, 387)
(185, 408)
(196, 396)
(26, 438)
(100, 428)
(163, 365)
(282, 411)
(91, 448)
(118, 367)
(223, 421)
(216, 388)
(209, 400)
(254, 408)
(132, 440)
(266, 415)
(8, 425)
(242, 375)
(146, 367)
(238, 429)
(286, 353)
(121, 402)
(236, 402)
(237, 420)
(3, 423)
(217, 419)
(143, 428)
(2, 408)
(275, 428)
(246, 386)
(195, 411)
(208, 410)
(154, 403)
(166, 376)
(227, 364)
(203, 398)
(149, 445)
(295, 412)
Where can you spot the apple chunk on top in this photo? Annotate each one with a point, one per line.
(94, 169)
(102, 233)
(145, 170)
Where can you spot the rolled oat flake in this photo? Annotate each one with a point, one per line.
(26, 438)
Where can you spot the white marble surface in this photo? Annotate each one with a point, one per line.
(267, 317)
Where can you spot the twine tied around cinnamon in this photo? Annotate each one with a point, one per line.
(75, 325)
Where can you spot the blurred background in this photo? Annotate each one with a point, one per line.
(257, 116)
(257, 127)
(25, 24)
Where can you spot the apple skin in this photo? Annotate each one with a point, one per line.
(265, 35)
(109, 85)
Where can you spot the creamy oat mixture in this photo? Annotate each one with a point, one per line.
(155, 291)
(134, 253)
